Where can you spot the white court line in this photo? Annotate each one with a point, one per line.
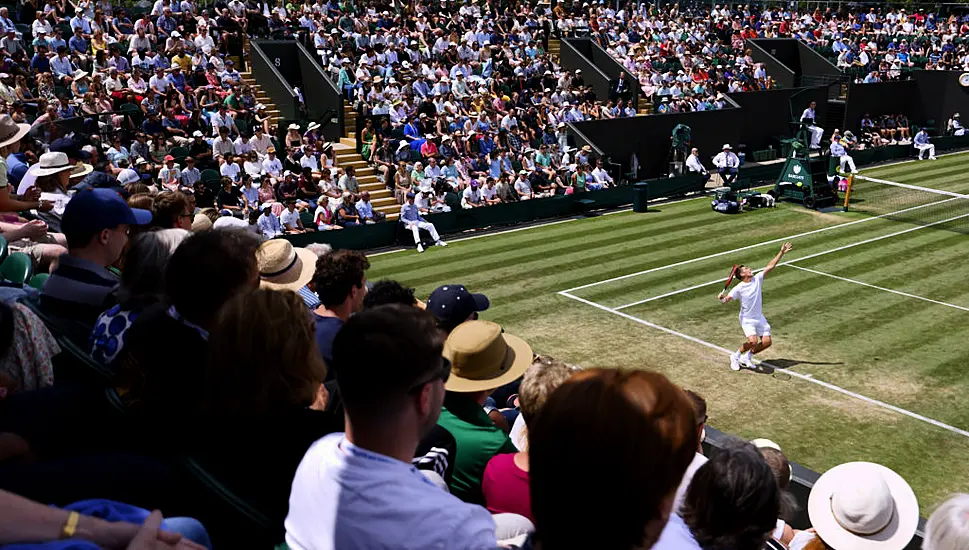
(899, 292)
(915, 187)
(790, 262)
(881, 166)
(795, 374)
(755, 245)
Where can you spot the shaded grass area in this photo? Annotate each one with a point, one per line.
(906, 352)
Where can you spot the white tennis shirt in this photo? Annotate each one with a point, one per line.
(750, 296)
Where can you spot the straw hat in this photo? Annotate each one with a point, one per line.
(863, 506)
(483, 357)
(81, 169)
(10, 131)
(201, 223)
(52, 163)
(283, 266)
(312, 126)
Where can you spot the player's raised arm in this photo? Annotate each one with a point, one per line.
(785, 248)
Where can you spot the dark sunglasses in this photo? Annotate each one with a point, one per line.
(443, 373)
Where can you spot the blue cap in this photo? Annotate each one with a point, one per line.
(453, 304)
(96, 209)
(69, 147)
(410, 195)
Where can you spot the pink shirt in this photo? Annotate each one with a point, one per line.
(505, 487)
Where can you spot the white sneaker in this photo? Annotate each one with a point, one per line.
(440, 243)
(420, 248)
(933, 158)
(747, 360)
(735, 361)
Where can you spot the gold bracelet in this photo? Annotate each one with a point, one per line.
(70, 526)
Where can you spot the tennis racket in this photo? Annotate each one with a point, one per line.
(733, 273)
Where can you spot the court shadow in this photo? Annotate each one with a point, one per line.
(790, 363)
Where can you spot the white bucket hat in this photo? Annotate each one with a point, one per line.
(863, 506)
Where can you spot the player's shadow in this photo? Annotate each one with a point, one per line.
(769, 367)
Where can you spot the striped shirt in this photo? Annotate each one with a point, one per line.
(77, 290)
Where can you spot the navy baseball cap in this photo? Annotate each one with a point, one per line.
(453, 304)
(92, 210)
(69, 147)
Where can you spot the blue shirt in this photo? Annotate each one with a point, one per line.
(364, 210)
(676, 536)
(348, 498)
(16, 168)
(837, 150)
(326, 329)
(410, 213)
(269, 225)
(921, 138)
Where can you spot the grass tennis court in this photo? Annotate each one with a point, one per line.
(869, 312)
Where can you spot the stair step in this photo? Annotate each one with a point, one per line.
(352, 135)
(373, 185)
(349, 142)
(388, 202)
(368, 180)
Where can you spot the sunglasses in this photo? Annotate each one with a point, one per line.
(443, 373)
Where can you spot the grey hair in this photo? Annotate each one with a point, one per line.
(320, 249)
(145, 263)
(948, 526)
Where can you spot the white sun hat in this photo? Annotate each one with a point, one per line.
(863, 506)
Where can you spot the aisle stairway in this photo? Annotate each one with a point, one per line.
(262, 97)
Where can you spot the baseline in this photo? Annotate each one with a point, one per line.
(876, 287)
(795, 374)
(791, 262)
(756, 245)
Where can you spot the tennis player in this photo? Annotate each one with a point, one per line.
(752, 321)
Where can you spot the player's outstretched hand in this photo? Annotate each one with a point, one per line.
(720, 296)
(786, 247)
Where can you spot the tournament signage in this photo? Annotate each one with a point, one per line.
(796, 172)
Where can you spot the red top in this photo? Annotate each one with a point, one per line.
(505, 487)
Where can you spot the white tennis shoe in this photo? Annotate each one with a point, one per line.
(747, 360)
(735, 360)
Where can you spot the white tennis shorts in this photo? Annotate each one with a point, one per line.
(757, 326)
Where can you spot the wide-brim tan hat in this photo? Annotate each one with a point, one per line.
(483, 357)
(863, 506)
(81, 169)
(283, 266)
(10, 131)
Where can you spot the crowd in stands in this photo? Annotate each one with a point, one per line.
(179, 358)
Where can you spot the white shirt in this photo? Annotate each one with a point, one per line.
(273, 166)
(290, 220)
(750, 296)
(698, 460)
(348, 498)
(230, 170)
(726, 159)
(693, 164)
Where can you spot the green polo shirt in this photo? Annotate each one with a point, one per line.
(477, 439)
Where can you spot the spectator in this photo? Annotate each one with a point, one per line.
(634, 424)
(389, 292)
(413, 221)
(262, 382)
(359, 489)
(700, 408)
(285, 267)
(340, 281)
(206, 270)
(96, 224)
(947, 526)
(171, 210)
(505, 481)
(142, 286)
(290, 219)
(483, 358)
(732, 502)
(922, 144)
(454, 304)
(860, 504)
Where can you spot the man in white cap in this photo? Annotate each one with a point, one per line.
(727, 164)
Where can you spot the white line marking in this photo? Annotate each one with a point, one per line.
(750, 246)
(790, 262)
(915, 187)
(882, 166)
(900, 293)
(795, 374)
